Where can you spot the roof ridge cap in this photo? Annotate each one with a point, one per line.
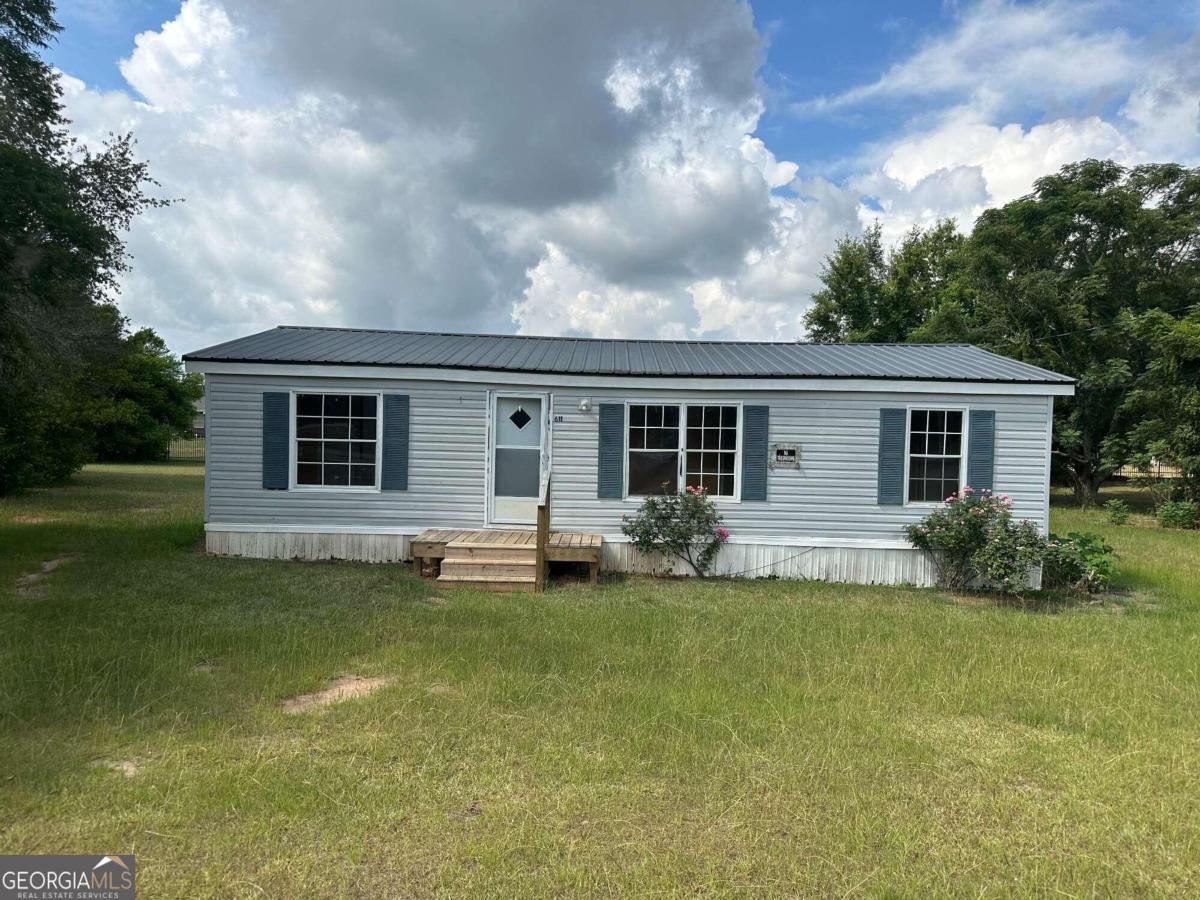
(639, 340)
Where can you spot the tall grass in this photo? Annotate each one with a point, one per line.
(644, 737)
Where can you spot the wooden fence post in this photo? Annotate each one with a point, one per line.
(543, 532)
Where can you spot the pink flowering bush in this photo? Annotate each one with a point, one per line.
(684, 525)
(973, 538)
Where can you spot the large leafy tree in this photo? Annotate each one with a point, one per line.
(872, 295)
(147, 401)
(63, 211)
(1053, 274)
(1085, 276)
(1164, 405)
(846, 308)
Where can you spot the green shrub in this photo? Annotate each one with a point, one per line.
(1012, 550)
(1118, 511)
(1079, 562)
(973, 538)
(1177, 514)
(685, 525)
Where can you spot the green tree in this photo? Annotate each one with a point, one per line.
(871, 295)
(1052, 275)
(63, 210)
(148, 400)
(853, 275)
(1164, 404)
(1063, 279)
(30, 111)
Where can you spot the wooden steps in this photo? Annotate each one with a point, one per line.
(491, 565)
(499, 559)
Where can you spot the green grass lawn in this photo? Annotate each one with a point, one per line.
(750, 738)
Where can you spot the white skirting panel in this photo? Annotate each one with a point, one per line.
(850, 565)
(375, 548)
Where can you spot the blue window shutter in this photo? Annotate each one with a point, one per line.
(275, 432)
(892, 427)
(754, 452)
(394, 468)
(610, 468)
(981, 449)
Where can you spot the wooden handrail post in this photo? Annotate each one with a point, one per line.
(543, 532)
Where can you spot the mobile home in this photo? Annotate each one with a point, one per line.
(349, 443)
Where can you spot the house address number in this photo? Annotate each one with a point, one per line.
(783, 456)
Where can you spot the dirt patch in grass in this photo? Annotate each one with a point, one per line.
(27, 582)
(347, 687)
(126, 767)
(471, 812)
(986, 741)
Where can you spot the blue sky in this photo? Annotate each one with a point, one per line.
(98, 34)
(814, 49)
(668, 167)
(824, 48)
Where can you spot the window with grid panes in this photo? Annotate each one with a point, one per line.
(712, 448)
(336, 440)
(934, 454)
(703, 450)
(653, 449)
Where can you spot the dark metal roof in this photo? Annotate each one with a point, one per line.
(597, 356)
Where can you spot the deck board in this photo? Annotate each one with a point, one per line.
(563, 546)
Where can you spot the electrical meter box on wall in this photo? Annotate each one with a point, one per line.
(783, 456)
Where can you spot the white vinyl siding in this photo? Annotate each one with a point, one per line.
(834, 492)
(448, 427)
(832, 495)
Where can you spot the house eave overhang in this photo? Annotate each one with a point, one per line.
(481, 375)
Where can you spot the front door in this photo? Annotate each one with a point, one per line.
(518, 457)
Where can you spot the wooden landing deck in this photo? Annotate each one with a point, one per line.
(563, 546)
(503, 550)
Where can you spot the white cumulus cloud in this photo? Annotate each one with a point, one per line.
(572, 168)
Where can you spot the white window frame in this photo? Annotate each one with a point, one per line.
(681, 450)
(962, 459)
(293, 439)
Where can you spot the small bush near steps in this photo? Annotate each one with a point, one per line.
(686, 526)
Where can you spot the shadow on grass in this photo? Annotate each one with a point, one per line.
(1138, 499)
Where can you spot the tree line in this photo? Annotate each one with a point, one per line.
(76, 383)
(1095, 274)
